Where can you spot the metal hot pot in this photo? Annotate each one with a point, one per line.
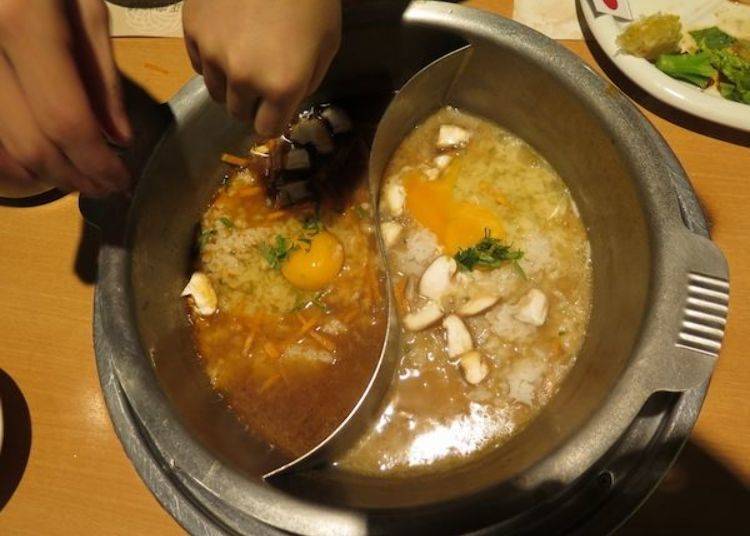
(602, 443)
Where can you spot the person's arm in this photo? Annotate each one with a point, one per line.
(59, 94)
(269, 54)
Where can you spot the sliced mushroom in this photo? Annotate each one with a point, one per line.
(457, 335)
(477, 305)
(337, 119)
(473, 367)
(532, 308)
(431, 173)
(436, 279)
(391, 231)
(451, 136)
(424, 318)
(310, 130)
(297, 158)
(395, 198)
(442, 161)
(203, 294)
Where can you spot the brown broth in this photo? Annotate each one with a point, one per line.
(290, 363)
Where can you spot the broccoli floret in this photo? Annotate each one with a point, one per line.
(732, 67)
(694, 68)
(732, 92)
(712, 38)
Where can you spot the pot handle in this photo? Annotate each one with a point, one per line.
(691, 315)
(149, 120)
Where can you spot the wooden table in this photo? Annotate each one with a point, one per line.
(78, 480)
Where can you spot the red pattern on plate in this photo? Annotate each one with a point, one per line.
(611, 4)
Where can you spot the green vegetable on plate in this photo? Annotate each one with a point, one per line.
(719, 59)
(694, 68)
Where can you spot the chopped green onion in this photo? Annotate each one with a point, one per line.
(276, 253)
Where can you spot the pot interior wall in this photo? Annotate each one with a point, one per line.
(505, 86)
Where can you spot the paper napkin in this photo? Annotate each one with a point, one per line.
(555, 18)
(145, 22)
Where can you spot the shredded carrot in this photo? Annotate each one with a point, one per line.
(500, 198)
(282, 373)
(307, 326)
(234, 160)
(269, 383)
(348, 317)
(275, 215)
(399, 291)
(366, 295)
(248, 342)
(271, 350)
(325, 342)
(301, 318)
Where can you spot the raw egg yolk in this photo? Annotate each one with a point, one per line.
(467, 224)
(456, 224)
(313, 267)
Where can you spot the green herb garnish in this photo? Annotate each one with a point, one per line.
(229, 224)
(520, 270)
(489, 253)
(204, 236)
(312, 225)
(278, 251)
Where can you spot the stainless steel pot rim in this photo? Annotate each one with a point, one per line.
(676, 251)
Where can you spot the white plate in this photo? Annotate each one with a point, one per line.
(733, 18)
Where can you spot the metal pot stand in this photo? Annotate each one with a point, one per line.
(598, 501)
(602, 501)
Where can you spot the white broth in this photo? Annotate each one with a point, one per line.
(492, 277)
